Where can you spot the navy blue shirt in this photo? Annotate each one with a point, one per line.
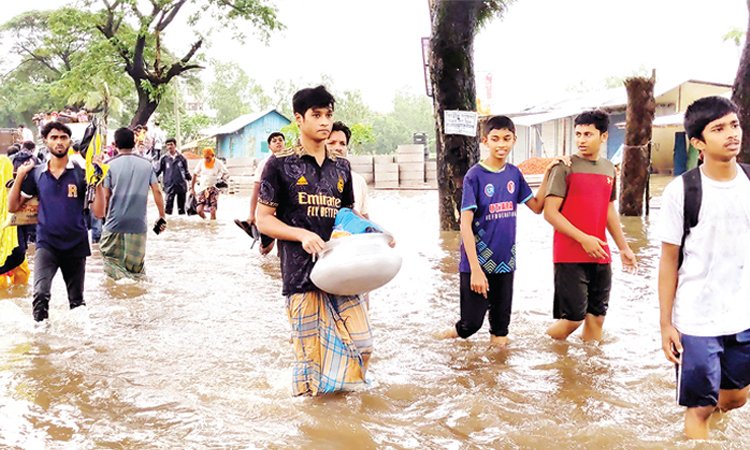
(61, 225)
(305, 195)
(493, 196)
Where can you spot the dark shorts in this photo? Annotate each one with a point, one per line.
(710, 364)
(580, 289)
(474, 306)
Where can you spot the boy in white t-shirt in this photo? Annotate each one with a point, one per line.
(704, 284)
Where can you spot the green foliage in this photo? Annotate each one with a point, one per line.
(63, 61)
(735, 35)
(361, 134)
(291, 133)
(234, 93)
(491, 9)
(191, 125)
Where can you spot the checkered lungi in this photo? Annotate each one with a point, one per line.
(208, 197)
(332, 342)
(123, 254)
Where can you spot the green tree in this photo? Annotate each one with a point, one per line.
(62, 61)
(454, 26)
(151, 67)
(234, 93)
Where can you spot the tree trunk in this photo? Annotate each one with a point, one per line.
(454, 26)
(741, 96)
(635, 159)
(146, 108)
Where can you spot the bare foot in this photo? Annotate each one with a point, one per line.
(448, 334)
(498, 341)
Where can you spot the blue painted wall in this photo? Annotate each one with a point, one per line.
(616, 135)
(250, 141)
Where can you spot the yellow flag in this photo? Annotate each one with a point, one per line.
(95, 148)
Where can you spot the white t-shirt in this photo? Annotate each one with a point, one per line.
(713, 289)
(208, 177)
(360, 193)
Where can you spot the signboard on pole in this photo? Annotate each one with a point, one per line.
(461, 122)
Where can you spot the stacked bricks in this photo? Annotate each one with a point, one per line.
(411, 168)
(386, 172)
(430, 172)
(363, 165)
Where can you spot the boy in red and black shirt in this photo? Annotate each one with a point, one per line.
(580, 206)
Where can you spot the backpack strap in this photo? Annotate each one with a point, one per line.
(693, 194)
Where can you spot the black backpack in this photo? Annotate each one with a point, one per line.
(693, 195)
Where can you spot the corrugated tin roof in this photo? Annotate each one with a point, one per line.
(239, 123)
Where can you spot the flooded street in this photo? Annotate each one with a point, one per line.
(199, 355)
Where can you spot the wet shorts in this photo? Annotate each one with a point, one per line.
(710, 364)
(580, 289)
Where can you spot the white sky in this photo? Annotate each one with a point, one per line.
(538, 50)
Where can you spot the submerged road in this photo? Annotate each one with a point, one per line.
(198, 356)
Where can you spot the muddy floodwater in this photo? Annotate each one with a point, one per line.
(199, 355)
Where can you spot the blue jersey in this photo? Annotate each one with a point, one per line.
(494, 197)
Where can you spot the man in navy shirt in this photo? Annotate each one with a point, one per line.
(62, 239)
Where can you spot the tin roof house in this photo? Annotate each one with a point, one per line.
(547, 130)
(246, 136)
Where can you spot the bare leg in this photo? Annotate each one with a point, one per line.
(696, 422)
(199, 210)
(450, 333)
(498, 341)
(730, 399)
(562, 328)
(592, 328)
(213, 213)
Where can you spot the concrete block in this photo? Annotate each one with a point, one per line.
(385, 176)
(362, 168)
(386, 168)
(430, 165)
(387, 185)
(240, 162)
(383, 159)
(369, 177)
(411, 176)
(359, 159)
(410, 158)
(410, 148)
(411, 167)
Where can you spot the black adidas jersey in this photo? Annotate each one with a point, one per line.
(305, 195)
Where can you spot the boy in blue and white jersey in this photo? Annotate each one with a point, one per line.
(492, 190)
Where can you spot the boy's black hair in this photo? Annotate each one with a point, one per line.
(704, 111)
(173, 140)
(273, 135)
(317, 97)
(124, 138)
(499, 123)
(596, 117)
(339, 126)
(28, 145)
(56, 126)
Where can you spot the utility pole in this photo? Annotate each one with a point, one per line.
(177, 113)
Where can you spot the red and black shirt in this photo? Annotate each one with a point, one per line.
(305, 195)
(586, 187)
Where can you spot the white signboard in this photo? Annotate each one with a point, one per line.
(461, 122)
